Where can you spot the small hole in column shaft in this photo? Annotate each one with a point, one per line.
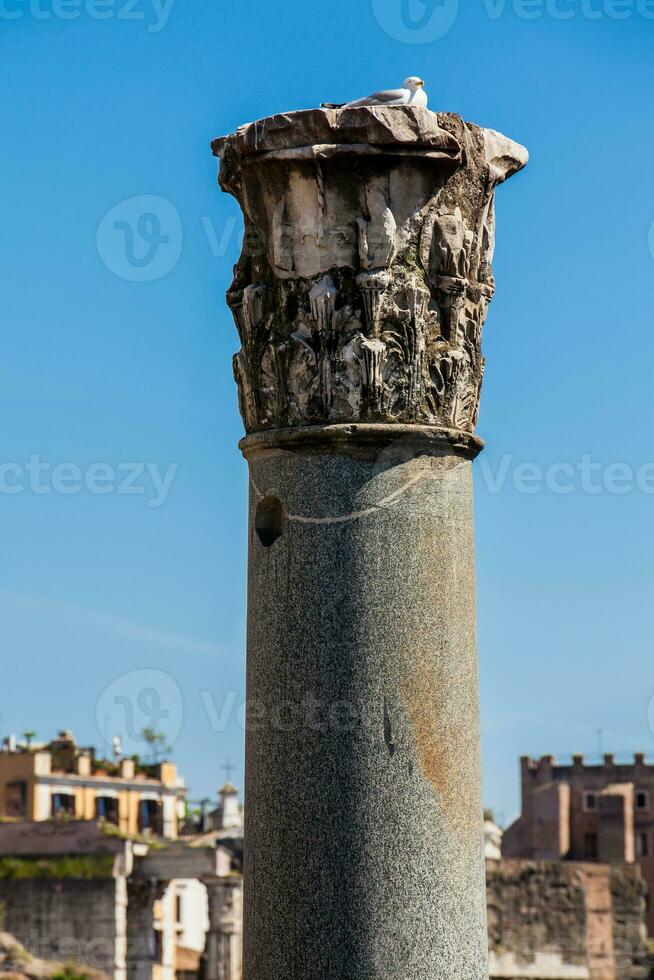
(269, 520)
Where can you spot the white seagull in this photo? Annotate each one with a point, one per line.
(411, 93)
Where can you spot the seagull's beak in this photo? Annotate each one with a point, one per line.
(420, 83)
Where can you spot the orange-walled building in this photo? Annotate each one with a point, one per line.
(62, 780)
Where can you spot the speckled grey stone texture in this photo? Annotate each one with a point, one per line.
(364, 855)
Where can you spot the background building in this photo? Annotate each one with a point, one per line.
(210, 917)
(69, 891)
(61, 779)
(580, 812)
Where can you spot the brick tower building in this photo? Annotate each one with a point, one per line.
(580, 812)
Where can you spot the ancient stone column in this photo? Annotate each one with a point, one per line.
(360, 299)
(223, 954)
(142, 893)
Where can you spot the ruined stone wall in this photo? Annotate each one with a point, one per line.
(536, 919)
(628, 900)
(552, 920)
(67, 919)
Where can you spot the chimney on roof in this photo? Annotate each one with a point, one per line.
(127, 768)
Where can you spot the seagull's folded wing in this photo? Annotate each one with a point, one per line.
(393, 96)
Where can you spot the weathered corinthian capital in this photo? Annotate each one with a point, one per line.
(366, 271)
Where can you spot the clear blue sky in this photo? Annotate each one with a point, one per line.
(98, 368)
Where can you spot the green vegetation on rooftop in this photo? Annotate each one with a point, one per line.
(85, 867)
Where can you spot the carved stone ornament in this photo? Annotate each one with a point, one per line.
(366, 271)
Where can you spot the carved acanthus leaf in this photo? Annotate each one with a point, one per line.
(366, 291)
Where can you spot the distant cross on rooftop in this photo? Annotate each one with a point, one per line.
(228, 769)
